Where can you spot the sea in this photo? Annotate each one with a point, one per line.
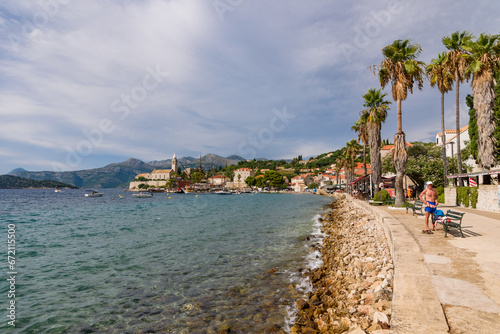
(173, 263)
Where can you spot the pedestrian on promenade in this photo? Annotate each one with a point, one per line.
(431, 203)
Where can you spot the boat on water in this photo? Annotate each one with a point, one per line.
(57, 190)
(93, 193)
(223, 192)
(142, 195)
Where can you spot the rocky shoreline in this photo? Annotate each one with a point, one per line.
(352, 290)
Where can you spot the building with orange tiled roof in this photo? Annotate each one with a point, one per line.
(388, 148)
(218, 180)
(451, 139)
(240, 175)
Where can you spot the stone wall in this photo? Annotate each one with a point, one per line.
(487, 199)
(134, 185)
(450, 196)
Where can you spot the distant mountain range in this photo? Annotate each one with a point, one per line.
(16, 182)
(118, 175)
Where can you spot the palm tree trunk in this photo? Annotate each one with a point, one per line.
(364, 159)
(484, 98)
(457, 101)
(399, 116)
(444, 139)
(374, 142)
(399, 158)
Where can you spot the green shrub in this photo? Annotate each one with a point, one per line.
(473, 197)
(382, 196)
(440, 192)
(463, 196)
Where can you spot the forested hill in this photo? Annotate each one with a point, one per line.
(16, 182)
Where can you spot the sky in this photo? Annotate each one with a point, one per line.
(88, 83)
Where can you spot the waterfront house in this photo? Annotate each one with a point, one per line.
(218, 180)
(240, 175)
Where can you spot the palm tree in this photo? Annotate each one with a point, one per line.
(441, 77)
(374, 117)
(402, 70)
(351, 150)
(484, 61)
(361, 128)
(456, 64)
(339, 164)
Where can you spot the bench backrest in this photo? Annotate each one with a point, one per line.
(454, 214)
(418, 204)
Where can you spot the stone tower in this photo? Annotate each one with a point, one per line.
(174, 163)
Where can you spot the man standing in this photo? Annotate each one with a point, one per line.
(431, 203)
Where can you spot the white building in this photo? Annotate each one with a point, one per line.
(218, 180)
(240, 175)
(451, 140)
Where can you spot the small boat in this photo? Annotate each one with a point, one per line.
(223, 192)
(143, 195)
(57, 190)
(93, 193)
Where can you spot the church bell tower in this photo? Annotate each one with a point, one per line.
(174, 163)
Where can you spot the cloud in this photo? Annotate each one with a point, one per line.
(69, 68)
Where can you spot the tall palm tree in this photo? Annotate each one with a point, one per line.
(441, 77)
(457, 64)
(484, 61)
(402, 70)
(374, 116)
(352, 149)
(361, 128)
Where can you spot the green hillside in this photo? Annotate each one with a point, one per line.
(15, 182)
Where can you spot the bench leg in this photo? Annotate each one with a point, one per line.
(445, 230)
(461, 231)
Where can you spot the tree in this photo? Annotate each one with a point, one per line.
(484, 61)
(374, 117)
(402, 70)
(496, 112)
(457, 64)
(424, 163)
(339, 164)
(250, 181)
(469, 100)
(352, 149)
(361, 128)
(441, 77)
(196, 177)
(312, 186)
(275, 179)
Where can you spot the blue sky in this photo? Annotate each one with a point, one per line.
(87, 83)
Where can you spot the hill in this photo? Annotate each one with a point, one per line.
(15, 182)
(118, 175)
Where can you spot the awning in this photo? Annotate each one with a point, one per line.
(359, 179)
(474, 174)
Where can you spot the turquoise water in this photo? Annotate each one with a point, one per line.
(174, 263)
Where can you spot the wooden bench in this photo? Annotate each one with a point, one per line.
(455, 220)
(416, 207)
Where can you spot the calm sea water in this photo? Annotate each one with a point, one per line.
(175, 263)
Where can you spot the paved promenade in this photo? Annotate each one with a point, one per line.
(444, 285)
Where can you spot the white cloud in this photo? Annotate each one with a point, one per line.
(225, 77)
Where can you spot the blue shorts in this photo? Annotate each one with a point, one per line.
(429, 209)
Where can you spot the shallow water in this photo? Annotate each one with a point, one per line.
(176, 263)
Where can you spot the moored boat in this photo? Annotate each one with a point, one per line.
(93, 193)
(142, 195)
(223, 192)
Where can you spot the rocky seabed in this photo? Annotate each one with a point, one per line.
(352, 289)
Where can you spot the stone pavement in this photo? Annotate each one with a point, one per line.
(444, 285)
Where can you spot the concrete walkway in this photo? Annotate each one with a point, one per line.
(444, 285)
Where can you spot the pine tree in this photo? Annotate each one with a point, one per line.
(469, 100)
